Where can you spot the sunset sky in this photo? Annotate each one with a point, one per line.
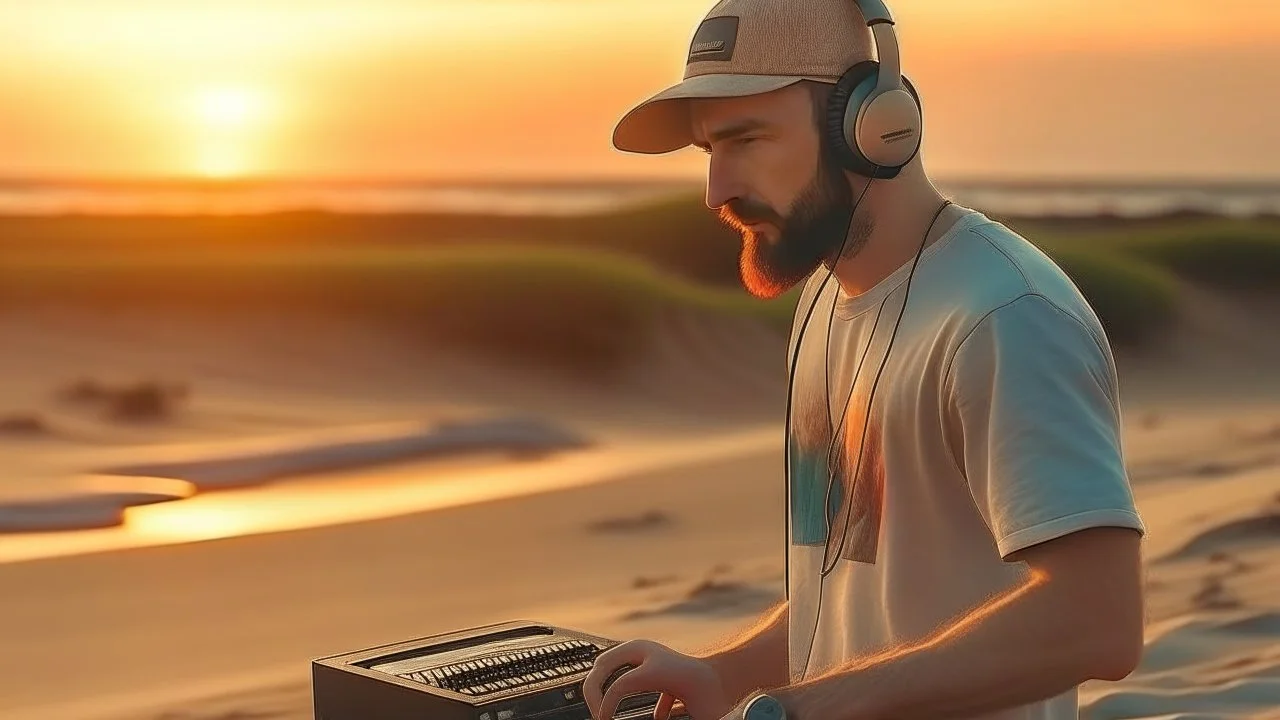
(532, 88)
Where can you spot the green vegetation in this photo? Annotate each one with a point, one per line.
(1135, 302)
(1229, 258)
(678, 234)
(583, 311)
(576, 292)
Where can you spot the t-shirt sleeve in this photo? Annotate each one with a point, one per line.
(1034, 394)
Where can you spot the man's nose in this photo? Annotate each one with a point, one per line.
(722, 185)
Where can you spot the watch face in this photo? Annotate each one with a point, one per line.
(765, 707)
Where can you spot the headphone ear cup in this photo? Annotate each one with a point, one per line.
(914, 95)
(888, 129)
(919, 110)
(851, 91)
(848, 97)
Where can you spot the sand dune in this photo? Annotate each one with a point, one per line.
(225, 627)
(712, 365)
(1200, 666)
(1222, 347)
(1213, 554)
(1260, 530)
(290, 394)
(648, 555)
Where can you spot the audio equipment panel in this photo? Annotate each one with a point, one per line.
(518, 670)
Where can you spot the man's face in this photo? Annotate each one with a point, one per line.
(770, 181)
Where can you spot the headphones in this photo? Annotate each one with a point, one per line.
(873, 128)
(874, 120)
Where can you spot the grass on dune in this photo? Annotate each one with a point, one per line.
(677, 232)
(582, 290)
(580, 310)
(1223, 253)
(1135, 301)
(546, 305)
(1130, 275)
(1226, 258)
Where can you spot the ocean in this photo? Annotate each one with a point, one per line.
(1011, 198)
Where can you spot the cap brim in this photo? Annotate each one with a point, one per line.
(662, 123)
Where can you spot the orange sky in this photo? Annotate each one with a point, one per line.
(428, 88)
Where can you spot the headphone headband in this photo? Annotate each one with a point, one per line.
(874, 11)
(889, 76)
(877, 16)
(874, 121)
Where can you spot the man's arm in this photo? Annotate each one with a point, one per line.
(1078, 616)
(756, 658)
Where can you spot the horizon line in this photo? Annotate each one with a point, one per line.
(616, 179)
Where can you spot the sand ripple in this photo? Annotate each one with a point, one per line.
(1201, 666)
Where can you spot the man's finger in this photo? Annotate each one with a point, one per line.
(601, 669)
(662, 711)
(632, 652)
(632, 682)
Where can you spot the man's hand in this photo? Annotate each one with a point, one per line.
(657, 668)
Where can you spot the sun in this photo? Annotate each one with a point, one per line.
(229, 124)
(228, 107)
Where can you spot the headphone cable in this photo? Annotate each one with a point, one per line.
(825, 571)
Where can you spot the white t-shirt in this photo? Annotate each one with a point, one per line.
(995, 426)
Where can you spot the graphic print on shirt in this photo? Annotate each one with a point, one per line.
(855, 525)
(857, 522)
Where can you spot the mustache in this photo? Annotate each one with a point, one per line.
(740, 212)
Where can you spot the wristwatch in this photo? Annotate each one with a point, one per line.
(764, 707)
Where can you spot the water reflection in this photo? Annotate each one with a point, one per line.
(368, 494)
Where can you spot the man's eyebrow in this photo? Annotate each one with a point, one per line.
(739, 128)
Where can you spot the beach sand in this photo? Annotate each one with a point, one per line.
(686, 550)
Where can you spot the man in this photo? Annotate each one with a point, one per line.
(978, 552)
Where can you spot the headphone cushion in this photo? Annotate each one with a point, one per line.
(841, 98)
(852, 90)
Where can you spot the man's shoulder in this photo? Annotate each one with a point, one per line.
(988, 269)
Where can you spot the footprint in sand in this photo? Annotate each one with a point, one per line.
(24, 425)
(642, 582)
(1243, 532)
(1214, 595)
(712, 597)
(1236, 566)
(650, 520)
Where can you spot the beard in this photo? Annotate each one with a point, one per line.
(820, 220)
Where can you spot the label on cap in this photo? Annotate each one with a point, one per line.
(714, 40)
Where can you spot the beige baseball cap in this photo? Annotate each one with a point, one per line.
(748, 47)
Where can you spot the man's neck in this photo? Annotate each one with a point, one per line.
(901, 216)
